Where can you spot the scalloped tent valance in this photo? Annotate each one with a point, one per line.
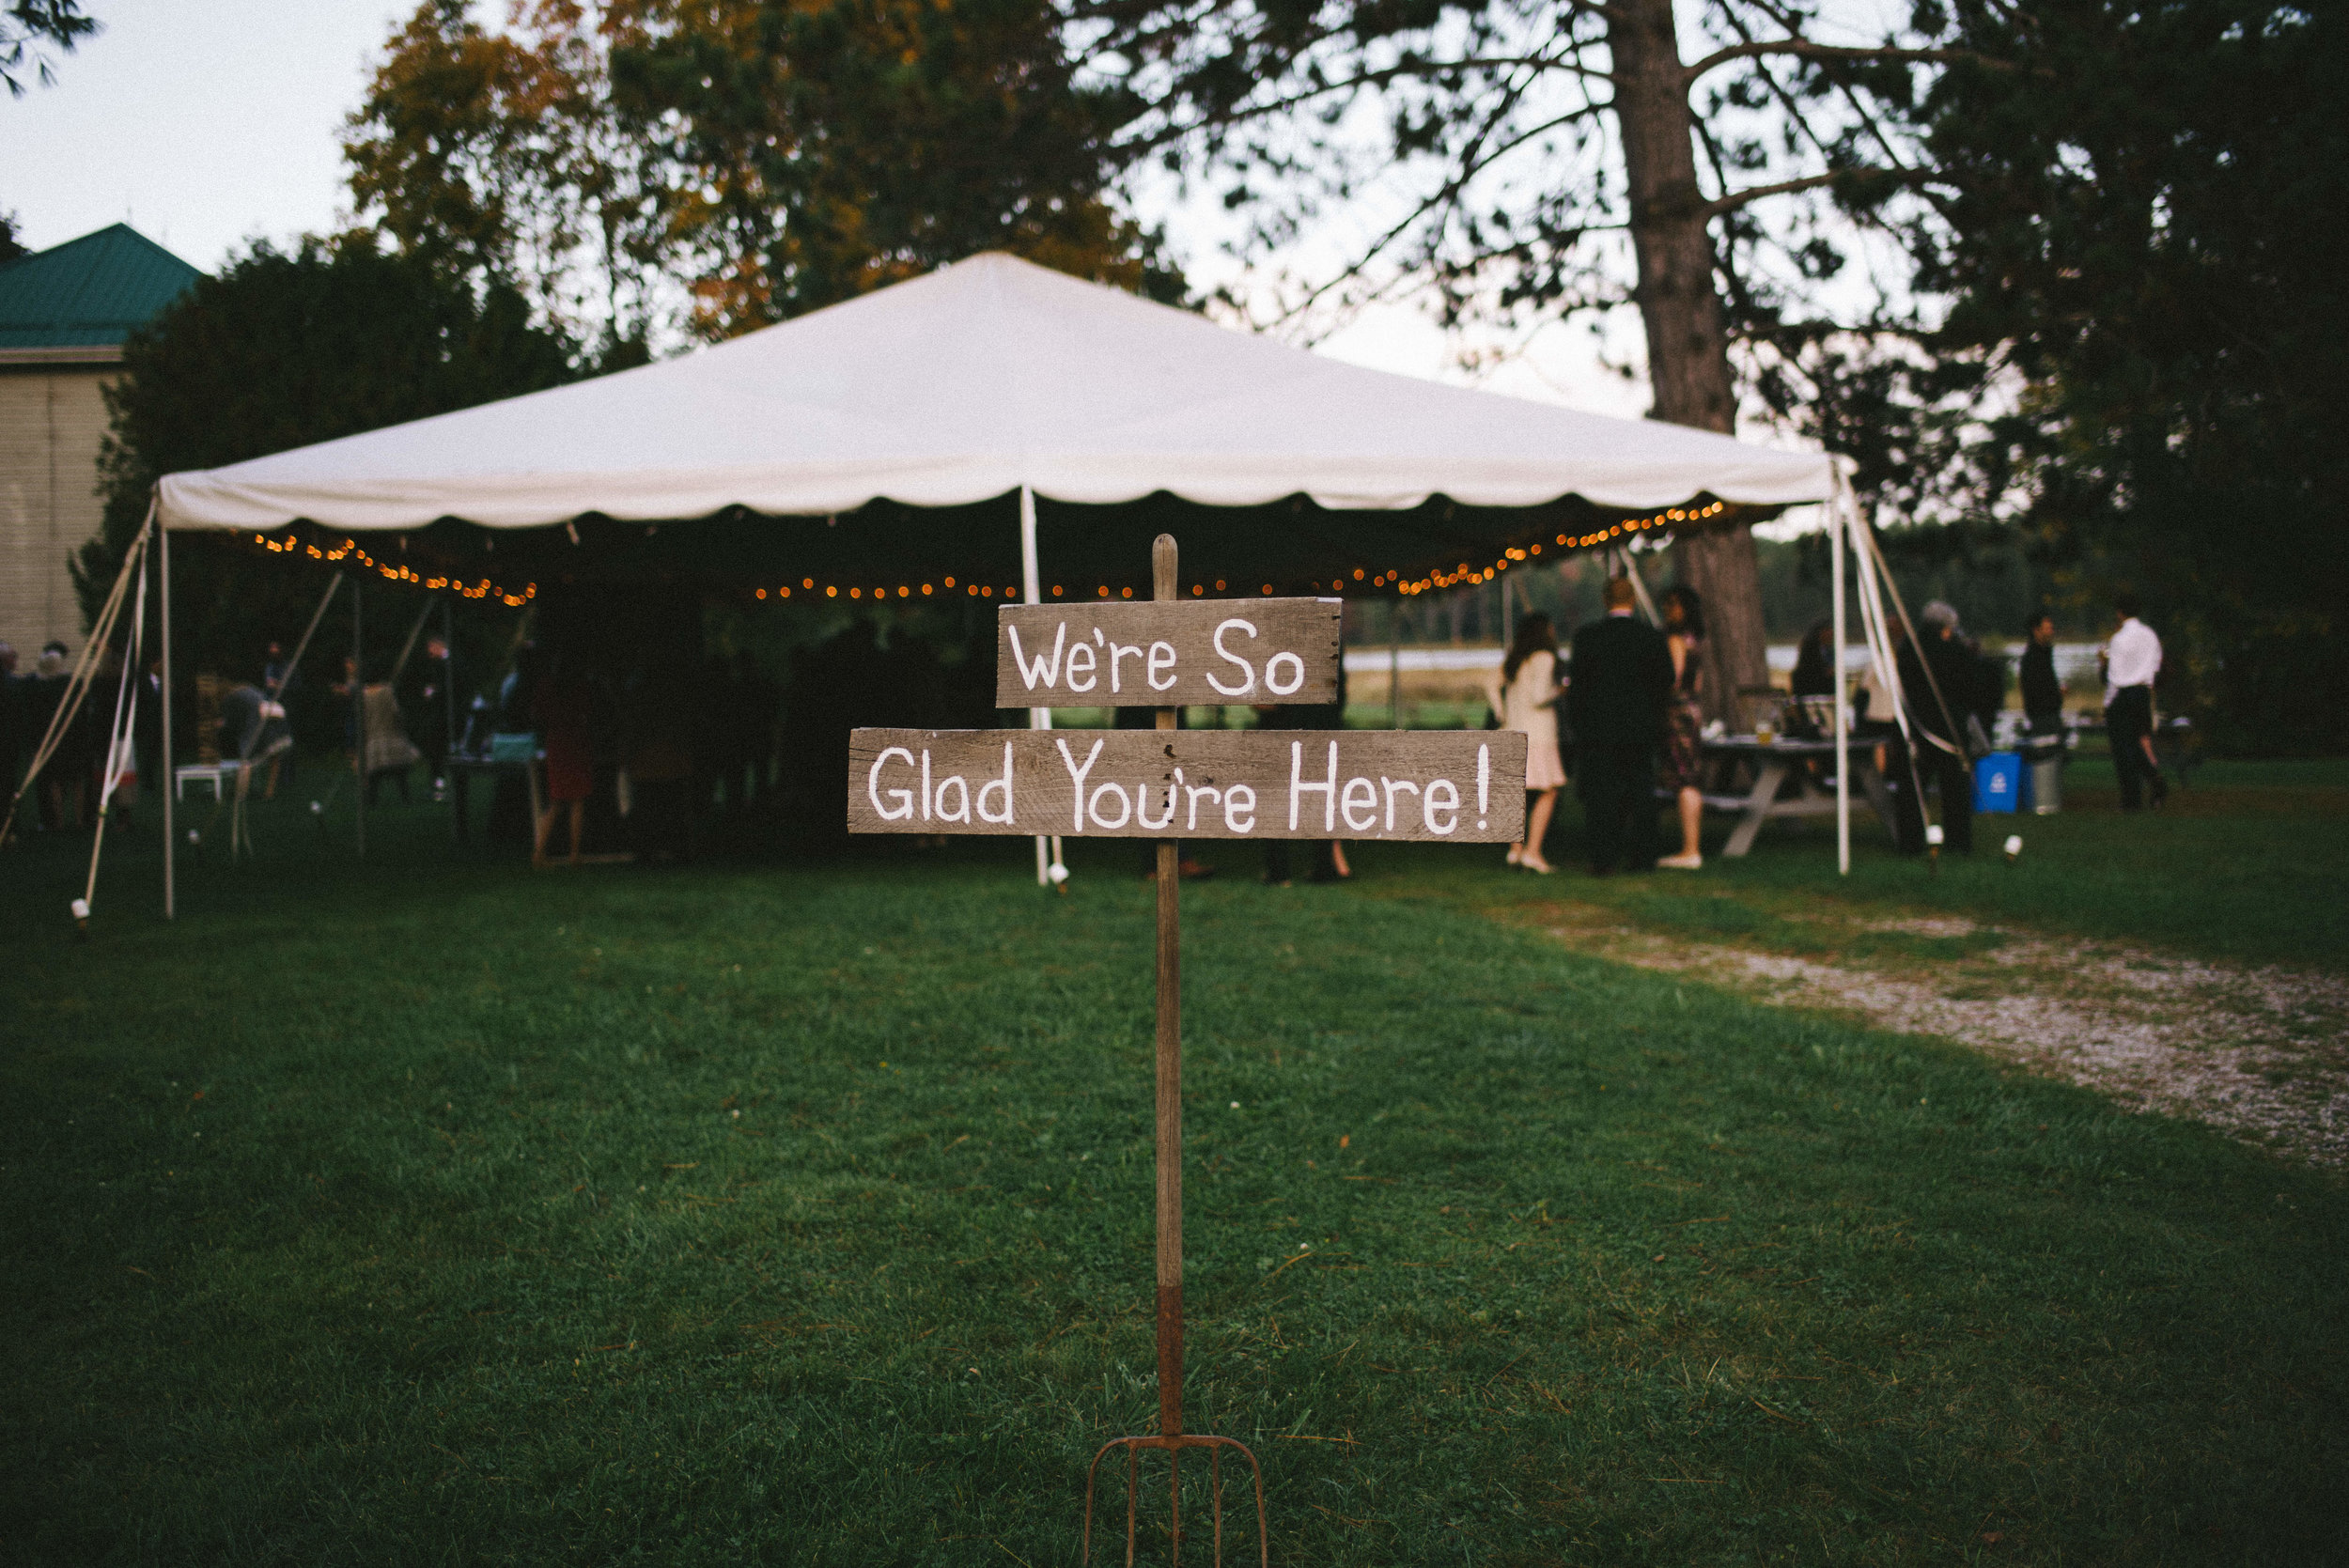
(968, 384)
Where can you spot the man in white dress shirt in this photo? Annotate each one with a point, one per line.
(2132, 659)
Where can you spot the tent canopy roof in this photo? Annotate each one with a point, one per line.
(962, 386)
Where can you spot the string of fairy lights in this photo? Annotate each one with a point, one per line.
(349, 551)
(1358, 581)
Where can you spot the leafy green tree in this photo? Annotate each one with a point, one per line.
(2145, 212)
(772, 155)
(24, 25)
(282, 349)
(499, 154)
(816, 152)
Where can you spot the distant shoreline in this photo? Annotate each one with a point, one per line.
(2072, 658)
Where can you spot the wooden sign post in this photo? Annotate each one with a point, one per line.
(1459, 786)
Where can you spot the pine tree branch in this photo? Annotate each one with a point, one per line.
(1269, 108)
(1803, 49)
(1732, 201)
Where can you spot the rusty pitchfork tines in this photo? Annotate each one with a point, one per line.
(1171, 1437)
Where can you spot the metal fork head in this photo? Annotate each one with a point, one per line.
(1174, 1447)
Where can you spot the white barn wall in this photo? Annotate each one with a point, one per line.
(52, 420)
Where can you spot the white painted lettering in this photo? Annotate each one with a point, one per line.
(1192, 792)
(926, 784)
(1248, 671)
(873, 790)
(1081, 651)
(1078, 774)
(989, 787)
(1125, 807)
(1442, 795)
(1367, 804)
(1158, 663)
(1119, 651)
(1240, 809)
(1156, 824)
(1044, 670)
(962, 812)
(1328, 787)
(1272, 674)
(1484, 780)
(1391, 785)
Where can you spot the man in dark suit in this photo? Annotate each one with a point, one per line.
(1619, 685)
(427, 706)
(2043, 690)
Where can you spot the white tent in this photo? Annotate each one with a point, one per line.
(983, 378)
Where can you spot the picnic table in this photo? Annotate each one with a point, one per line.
(1777, 764)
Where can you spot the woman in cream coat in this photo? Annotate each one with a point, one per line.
(1525, 699)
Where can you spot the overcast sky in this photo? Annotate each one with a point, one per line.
(206, 124)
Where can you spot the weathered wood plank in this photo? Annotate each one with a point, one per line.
(1167, 654)
(1461, 786)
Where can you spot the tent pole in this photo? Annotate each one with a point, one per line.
(1394, 665)
(359, 718)
(1837, 518)
(1639, 584)
(169, 780)
(1031, 590)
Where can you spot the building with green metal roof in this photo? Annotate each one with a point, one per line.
(64, 314)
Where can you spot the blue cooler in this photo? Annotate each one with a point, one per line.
(1997, 782)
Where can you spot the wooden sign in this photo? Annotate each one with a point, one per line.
(1167, 654)
(1462, 787)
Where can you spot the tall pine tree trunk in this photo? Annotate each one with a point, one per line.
(1687, 339)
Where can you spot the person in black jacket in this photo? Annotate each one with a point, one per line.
(1619, 682)
(1945, 666)
(2043, 691)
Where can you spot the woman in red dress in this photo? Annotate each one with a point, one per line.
(562, 710)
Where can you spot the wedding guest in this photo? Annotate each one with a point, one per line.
(1525, 699)
(1621, 680)
(1934, 688)
(2043, 691)
(564, 708)
(1684, 745)
(1814, 663)
(428, 707)
(12, 743)
(66, 778)
(2132, 659)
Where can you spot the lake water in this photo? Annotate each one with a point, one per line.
(2075, 661)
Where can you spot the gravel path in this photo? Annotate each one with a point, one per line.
(2261, 1053)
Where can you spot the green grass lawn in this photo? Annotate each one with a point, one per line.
(435, 1211)
(2249, 864)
